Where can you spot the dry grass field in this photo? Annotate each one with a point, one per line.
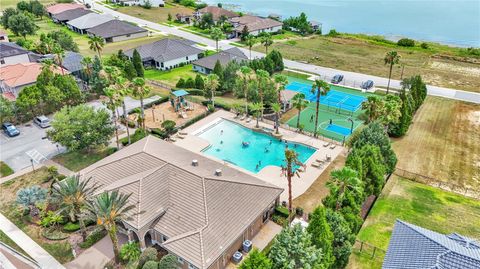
(443, 142)
(439, 65)
(155, 14)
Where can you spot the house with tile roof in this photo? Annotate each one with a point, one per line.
(255, 25)
(217, 13)
(59, 8)
(116, 30)
(197, 209)
(414, 247)
(167, 53)
(87, 21)
(69, 15)
(207, 64)
(15, 77)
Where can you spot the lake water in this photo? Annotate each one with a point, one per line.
(444, 21)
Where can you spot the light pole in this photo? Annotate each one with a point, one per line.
(33, 167)
(351, 128)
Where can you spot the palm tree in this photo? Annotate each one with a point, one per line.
(216, 34)
(263, 78)
(299, 102)
(257, 108)
(343, 180)
(372, 107)
(391, 58)
(59, 54)
(267, 41)
(87, 63)
(291, 158)
(96, 44)
(245, 74)
(107, 209)
(140, 90)
(73, 196)
(124, 89)
(250, 41)
(321, 88)
(112, 104)
(212, 82)
(280, 82)
(276, 107)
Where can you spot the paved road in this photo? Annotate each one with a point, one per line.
(323, 71)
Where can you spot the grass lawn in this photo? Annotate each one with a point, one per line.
(61, 250)
(13, 3)
(225, 100)
(422, 205)
(5, 170)
(76, 160)
(439, 65)
(443, 142)
(172, 76)
(155, 14)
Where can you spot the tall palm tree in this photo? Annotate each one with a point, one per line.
(320, 88)
(59, 54)
(87, 63)
(373, 107)
(291, 158)
(263, 78)
(107, 209)
(299, 102)
(257, 108)
(267, 41)
(391, 58)
(96, 44)
(113, 102)
(212, 82)
(280, 82)
(250, 41)
(140, 90)
(277, 108)
(245, 74)
(124, 88)
(216, 34)
(343, 180)
(73, 196)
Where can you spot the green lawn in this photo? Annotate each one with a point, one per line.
(77, 160)
(5, 170)
(171, 77)
(13, 3)
(422, 205)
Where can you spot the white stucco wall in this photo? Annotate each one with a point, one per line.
(172, 63)
(22, 58)
(268, 30)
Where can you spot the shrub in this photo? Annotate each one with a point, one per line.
(93, 238)
(190, 83)
(282, 211)
(168, 261)
(180, 83)
(71, 227)
(149, 254)
(333, 33)
(130, 251)
(424, 45)
(150, 265)
(279, 220)
(139, 134)
(299, 211)
(52, 234)
(406, 42)
(159, 133)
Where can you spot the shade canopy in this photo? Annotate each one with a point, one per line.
(180, 93)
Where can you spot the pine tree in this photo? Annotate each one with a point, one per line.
(137, 62)
(180, 83)
(218, 69)
(199, 82)
(322, 236)
(130, 71)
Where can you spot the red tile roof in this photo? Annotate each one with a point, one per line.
(58, 8)
(23, 73)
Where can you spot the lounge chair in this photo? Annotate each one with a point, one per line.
(242, 118)
(326, 144)
(315, 164)
(333, 146)
(180, 136)
(249, 120)
(320, 161)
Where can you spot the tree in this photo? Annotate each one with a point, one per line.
(266, 41)
(180, 83)
(87, 63)
(319, 88)
(168, 261)
(216, 34)
(257, 109)
(373, 107)
(276, 57)
(7, 110)
(343, 238)
(70, 91)
(291, 159)
(96, 44)
(280, 82)
(28, 100)
(107, 209)
(37, 9)
(23, 6)
(244, 33)
(130, 71)
(391, 110)
(211, 85)
(137, 62)
(22, 24)
(256, 260)
(169, 127)
(199, 82)
(7, 13)
(147, 4)
(368, 162)
(391, 58)
(299, 102)
(73, 194)
(169, 17)
(141, 90)
(206, 21)
(245, 76)
(150, 265)
(218, 70)
(263, 79)
(65, 40)
(30, 196)
(343, 180)
(322, 236)
(130, 251)
(277, 108)
(114, 97)
(73, 127)
(250, 41)
(59, 54)
(149, 254)
(292, 248)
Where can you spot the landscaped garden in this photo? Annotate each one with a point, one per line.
(171, 77)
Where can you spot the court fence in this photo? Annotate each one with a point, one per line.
(465, 191)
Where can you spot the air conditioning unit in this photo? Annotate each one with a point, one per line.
(218, 172)
(194, 162)
(247, 246)
(237, 257)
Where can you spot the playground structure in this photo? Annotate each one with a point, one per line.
(180, 104)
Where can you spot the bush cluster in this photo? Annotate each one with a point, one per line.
(93, 238)
(71, 227)
(406, 42)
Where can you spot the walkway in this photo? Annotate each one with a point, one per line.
(44, 259)
(324, 71)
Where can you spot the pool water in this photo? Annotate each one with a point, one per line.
(226, 137)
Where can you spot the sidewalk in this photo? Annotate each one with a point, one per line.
(44, 259)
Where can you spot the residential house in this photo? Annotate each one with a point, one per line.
(413, 247)
(191, 206)
(218, 13)
(11, 53)
(69, 15)
(15, 77)
(207, 64)
(116, 30)
(153, 3)
(184, 18)
(87, 21)
(72, 62)
(315, 25)
(3, 36)
(255, 25)
(59, 8)
(167, 53)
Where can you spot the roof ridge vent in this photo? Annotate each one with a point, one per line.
(195, 162)
(218, 172)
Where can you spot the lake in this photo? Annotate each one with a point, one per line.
(445, 21)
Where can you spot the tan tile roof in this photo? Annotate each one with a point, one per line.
(55, 9)
(23, 73)
(218, 12)
(254, 23)
(200, 213)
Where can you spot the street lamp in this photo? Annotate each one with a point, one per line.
(33, 167)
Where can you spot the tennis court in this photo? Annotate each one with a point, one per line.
(334, 98)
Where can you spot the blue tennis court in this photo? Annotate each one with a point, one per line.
(339, 129)
(333, 98)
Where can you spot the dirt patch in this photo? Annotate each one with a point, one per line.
(469, 71)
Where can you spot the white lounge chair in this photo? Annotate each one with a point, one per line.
(182, 133)
(333, 146)
(326, 144)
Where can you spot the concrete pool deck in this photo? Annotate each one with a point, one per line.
(271, 174)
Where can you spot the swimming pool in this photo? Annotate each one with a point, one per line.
(226, 137)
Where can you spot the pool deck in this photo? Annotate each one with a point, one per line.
(271, 174)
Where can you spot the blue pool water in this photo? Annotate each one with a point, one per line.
(339, 129)
(333, 98)
(227, 146)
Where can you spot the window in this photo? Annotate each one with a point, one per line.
(2, 61)
(161, 64)
(187, 58)
(180, 260)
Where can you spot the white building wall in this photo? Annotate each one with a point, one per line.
(127, 37)
(267, 30)
(22, 58)
(176, 62)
